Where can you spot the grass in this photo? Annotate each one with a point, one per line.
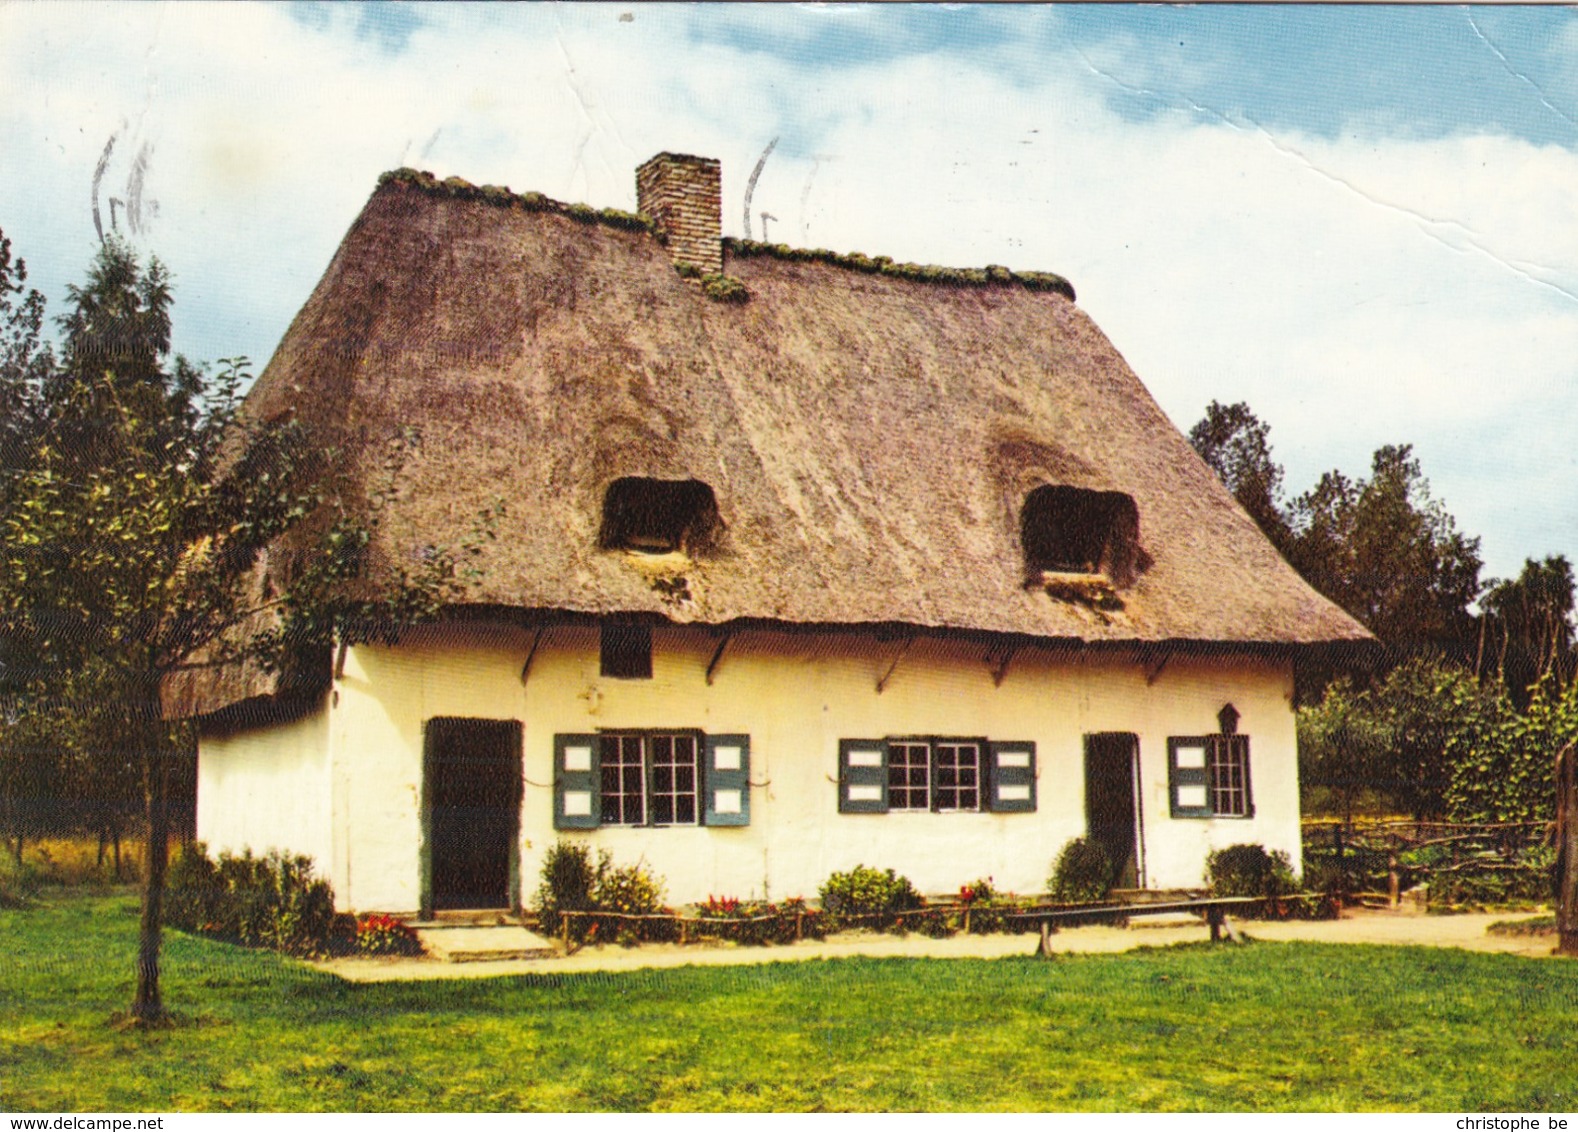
(1260, 1027)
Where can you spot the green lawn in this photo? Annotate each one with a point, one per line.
(1264, 1026)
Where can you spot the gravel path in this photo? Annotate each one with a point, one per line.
(1357, 926)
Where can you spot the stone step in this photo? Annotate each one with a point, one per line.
(474, 943)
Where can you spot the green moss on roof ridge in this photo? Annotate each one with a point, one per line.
(457, 188)
(917, 272)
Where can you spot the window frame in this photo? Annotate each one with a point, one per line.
(933, 745)
(647, 737)
(1004, 774)
(1219, 754)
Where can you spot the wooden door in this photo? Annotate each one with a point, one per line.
(472, 795)
(1112, 802)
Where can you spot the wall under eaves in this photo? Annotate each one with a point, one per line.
(796, 695)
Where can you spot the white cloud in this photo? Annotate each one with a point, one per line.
(1356, 291)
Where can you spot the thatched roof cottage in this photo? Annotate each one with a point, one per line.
(809, 560)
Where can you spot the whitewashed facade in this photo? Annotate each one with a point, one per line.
(798, 714)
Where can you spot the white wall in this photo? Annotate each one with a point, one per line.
(796, 695)
(267, 789)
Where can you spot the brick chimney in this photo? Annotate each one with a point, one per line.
(684, 197)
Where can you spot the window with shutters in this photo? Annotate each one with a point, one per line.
(1209, 776)
(936, 775)
(651, 778)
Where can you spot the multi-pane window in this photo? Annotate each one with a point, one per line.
(623, 772)
(673, 762)
(1210, 777)
(648, 779)
(931, 774)
(1227, 767)
(909, 776)
(958, 776)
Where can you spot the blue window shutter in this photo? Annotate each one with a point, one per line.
(726, 779)
(1188, 788)
(1011, 777)
(862, 776)
(576, 778)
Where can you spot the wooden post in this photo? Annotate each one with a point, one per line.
(799, 925)
(1213, 916)
(1393, 882)
(564, 928)
(1044, 948)
(966, 919)
(1567, 850)
(1342, 875)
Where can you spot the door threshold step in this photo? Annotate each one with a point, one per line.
(467, 918)
(475, 943)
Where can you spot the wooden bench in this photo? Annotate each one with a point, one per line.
(1213, 909)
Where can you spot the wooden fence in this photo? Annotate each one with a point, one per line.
(1457, 861)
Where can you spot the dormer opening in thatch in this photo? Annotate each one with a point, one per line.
(1075, 531)
(652, 516)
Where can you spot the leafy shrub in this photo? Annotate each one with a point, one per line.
(19, 881)
(274, 901)
(573, 882)
(1248, 870)
(1082, 873)
(1490, 881)
(865, 891)
(629, 889)
(569, 880)
(192, 890)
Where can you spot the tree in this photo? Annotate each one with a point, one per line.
(1390, 555)
(29, 770)
(1387, 743)
(1526, 628)
(134, 534)
(1236, 444)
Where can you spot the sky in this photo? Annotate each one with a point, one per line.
(1361, 220)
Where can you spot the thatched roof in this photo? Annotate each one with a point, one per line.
(870, 438)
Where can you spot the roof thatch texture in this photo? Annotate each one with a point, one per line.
(870, 439)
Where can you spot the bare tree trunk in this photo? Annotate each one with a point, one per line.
(148, 1006)
(1567, 850)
